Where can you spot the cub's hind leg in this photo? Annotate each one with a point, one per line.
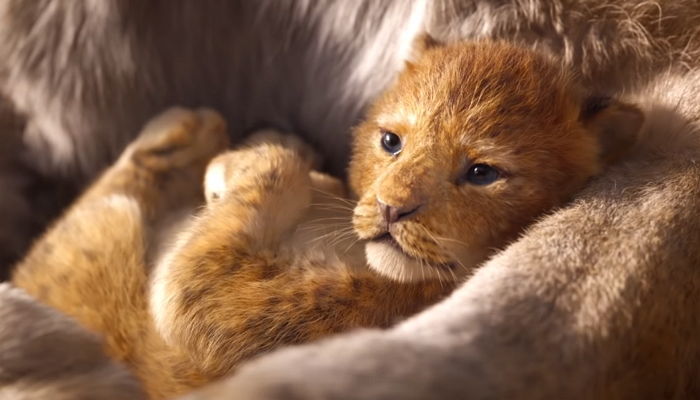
(164, 167)
(217, 275)
(91, 263)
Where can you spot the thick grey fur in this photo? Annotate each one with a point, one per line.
(47, 356)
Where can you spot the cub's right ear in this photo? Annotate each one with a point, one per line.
(422, 43)
(616, 124)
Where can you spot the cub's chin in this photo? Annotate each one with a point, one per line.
(386, 258)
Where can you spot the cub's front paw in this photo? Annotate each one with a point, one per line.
(269, 160)
(289, 141)
(179, 138)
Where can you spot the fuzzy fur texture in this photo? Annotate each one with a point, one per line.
(86, 76)
(44, 355)
(612, 45)
(90, 73)
(29, 200)
(561, 313)
(239, 280)
(468, 105)
(13, 184)
(272, 260)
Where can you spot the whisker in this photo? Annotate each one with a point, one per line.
(341, 238)
(323, 227)
(445, 239)
(437, 240)
(422, 270)
(332, 206)
(334, 229)
(334, 196)
(331, 219)
(463, 266)
(454, 277)
(354, 242)
(439, 274)
(343, 234)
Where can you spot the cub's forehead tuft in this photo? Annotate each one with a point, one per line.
(501, 76)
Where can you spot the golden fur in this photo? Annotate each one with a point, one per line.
(244, 276)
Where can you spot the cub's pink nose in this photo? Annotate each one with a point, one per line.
(392, 214)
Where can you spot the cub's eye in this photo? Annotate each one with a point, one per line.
(391, 142)
(481, 174)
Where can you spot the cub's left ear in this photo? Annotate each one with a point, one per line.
(422, 43)
(617, 125)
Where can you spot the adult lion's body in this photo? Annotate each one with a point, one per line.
(594, 300)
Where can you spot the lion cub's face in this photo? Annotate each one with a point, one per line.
(471, 144)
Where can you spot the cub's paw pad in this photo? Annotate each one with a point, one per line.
(180, 137)
(229, 168)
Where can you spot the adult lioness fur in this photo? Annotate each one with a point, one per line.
(38, 357)
(618, 45)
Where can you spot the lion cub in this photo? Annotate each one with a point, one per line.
(468, 147)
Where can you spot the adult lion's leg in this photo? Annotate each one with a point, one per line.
(46, 355)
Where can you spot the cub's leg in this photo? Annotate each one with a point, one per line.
(91, 263)
(229, 290)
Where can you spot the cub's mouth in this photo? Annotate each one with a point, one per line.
(388, 257)
(389, 240)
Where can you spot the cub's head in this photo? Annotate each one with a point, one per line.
(472, 143)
